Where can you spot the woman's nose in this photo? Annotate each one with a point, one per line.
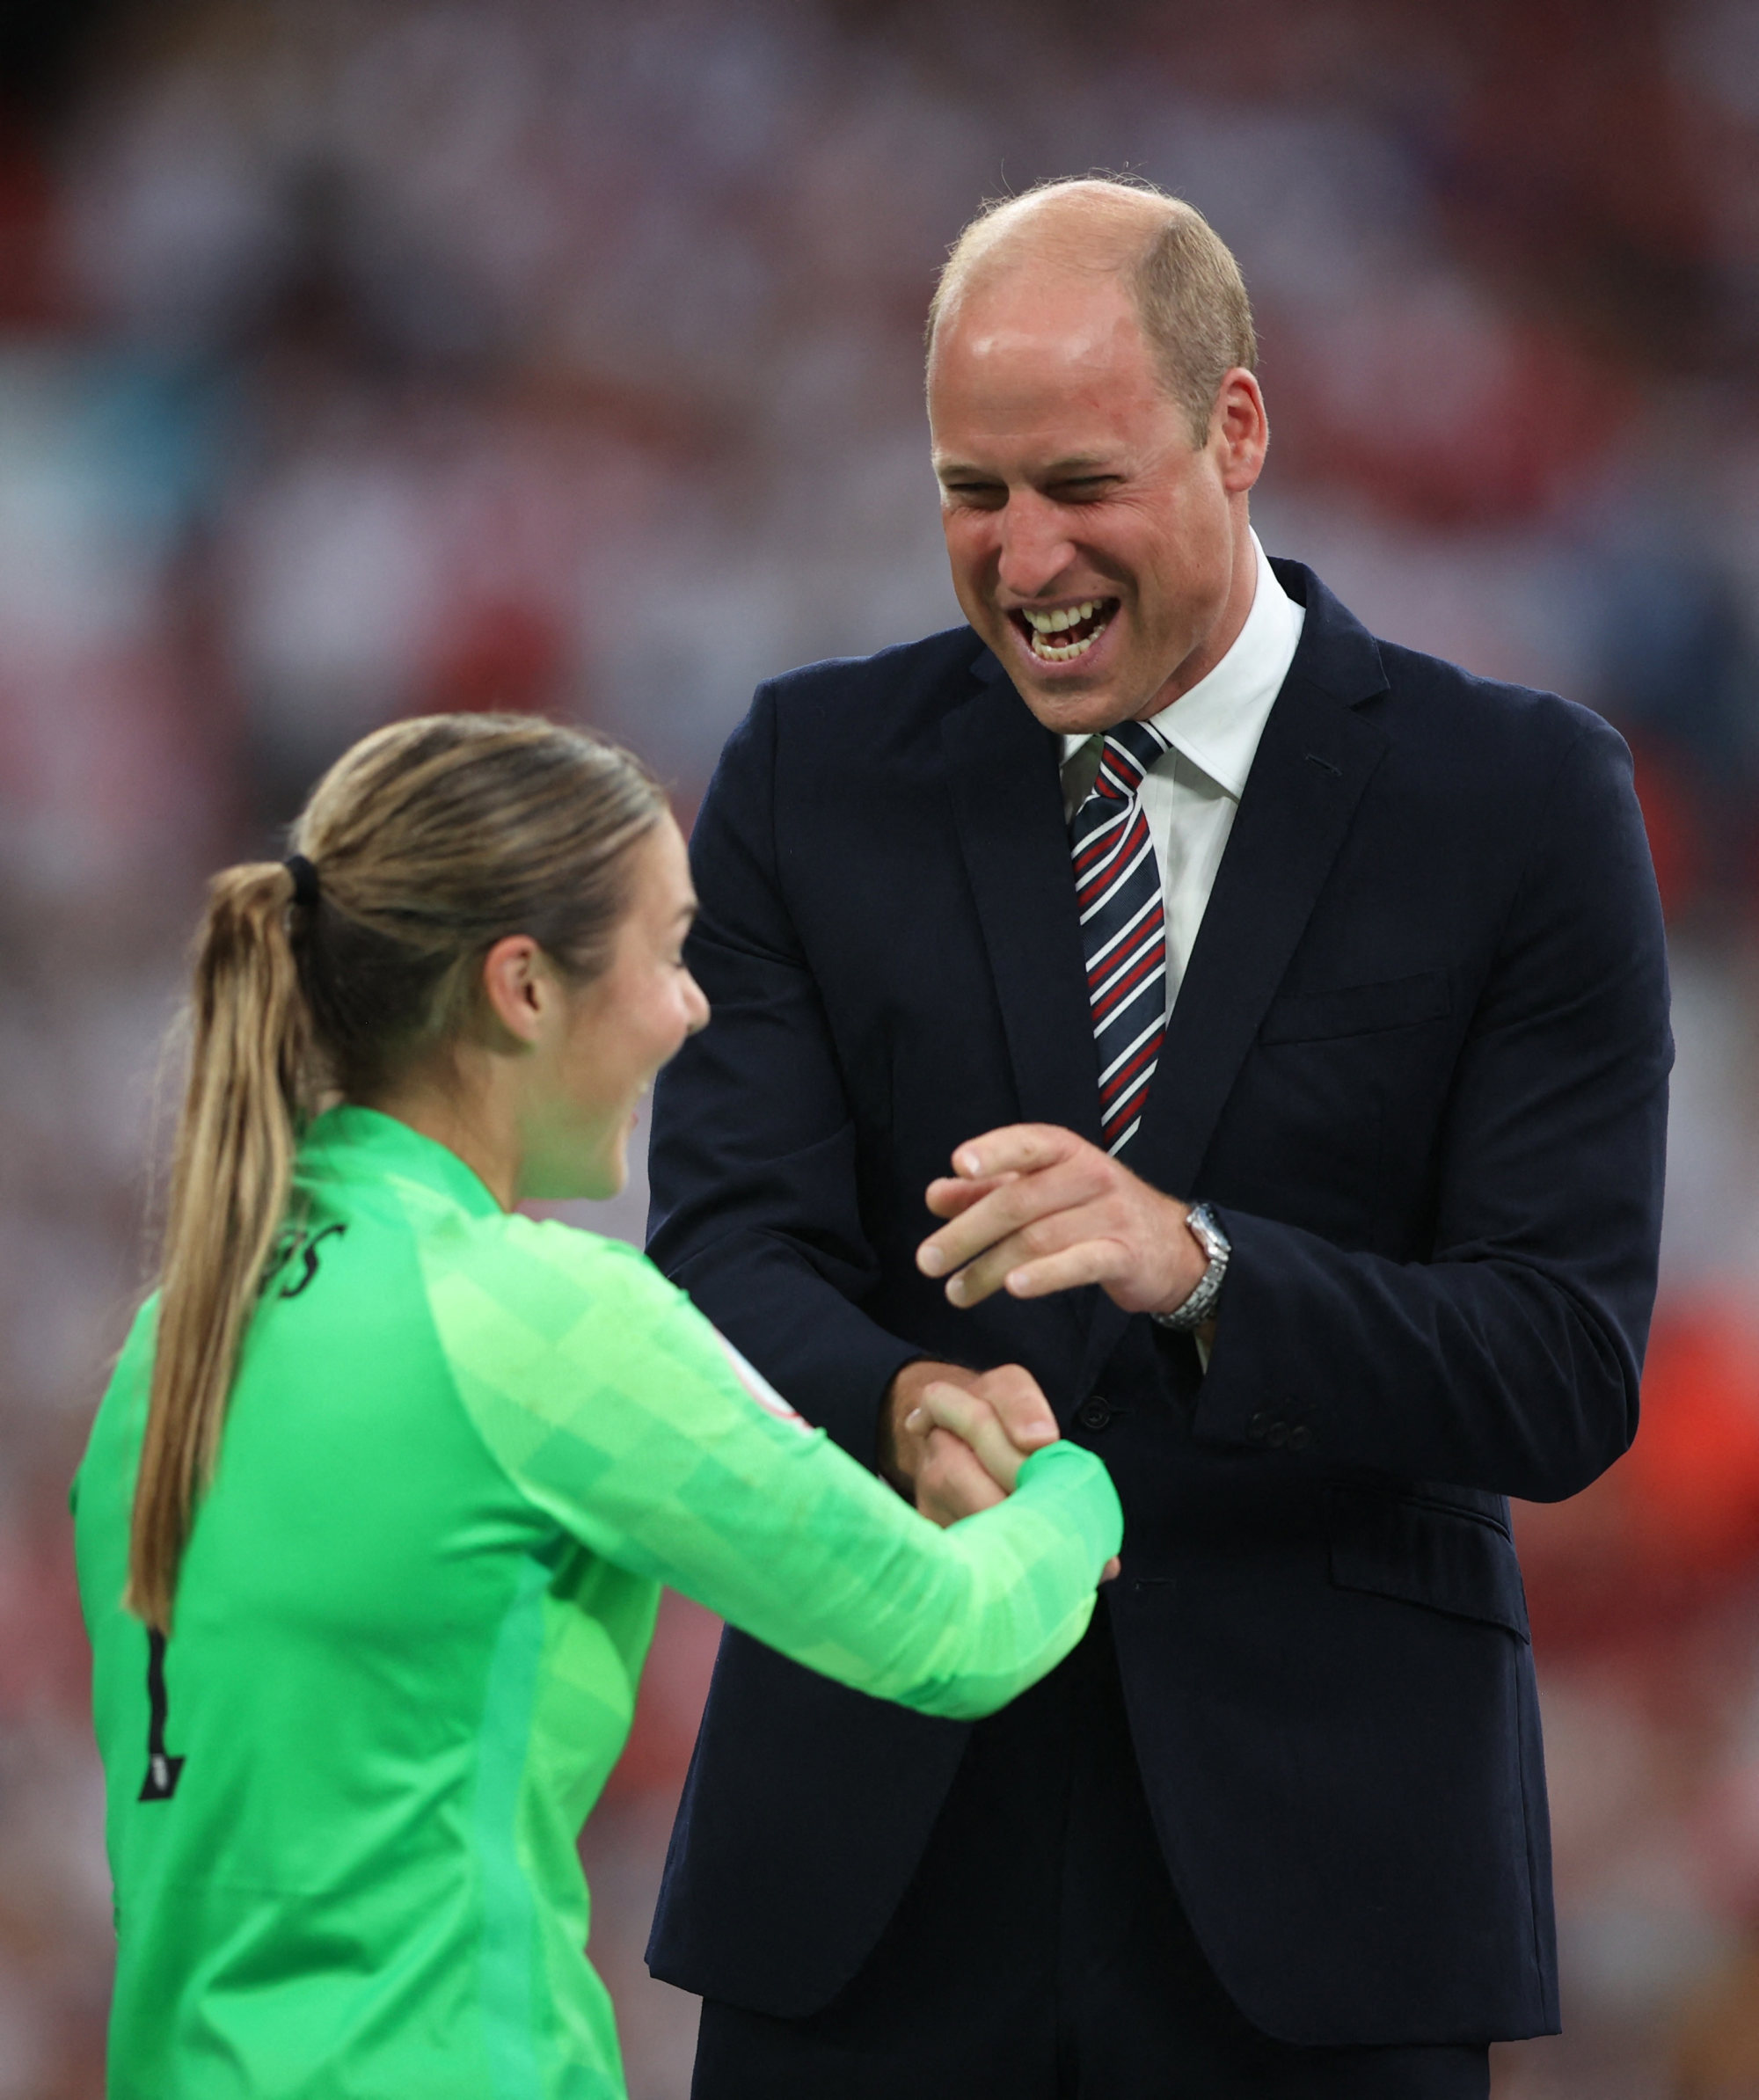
(696, 1004)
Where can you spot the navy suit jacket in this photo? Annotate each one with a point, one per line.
(1419, 1065)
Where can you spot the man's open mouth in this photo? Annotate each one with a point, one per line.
(1060, 637)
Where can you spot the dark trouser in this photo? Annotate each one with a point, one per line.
(1040, 1953)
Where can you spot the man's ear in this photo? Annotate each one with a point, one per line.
(519, 986)
(1243, 428)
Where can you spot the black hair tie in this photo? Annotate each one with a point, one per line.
(304, 881)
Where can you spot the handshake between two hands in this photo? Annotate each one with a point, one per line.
(1031, 1209)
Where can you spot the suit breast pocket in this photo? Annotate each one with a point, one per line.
(1333, 1119)
(1358, 1009)
(1331, 1123)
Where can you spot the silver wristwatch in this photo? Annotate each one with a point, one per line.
(1200, 1305)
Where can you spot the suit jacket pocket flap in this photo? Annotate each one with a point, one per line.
(1422, 1553)
(1357, 1008)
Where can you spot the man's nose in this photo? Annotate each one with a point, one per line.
(1035, 546)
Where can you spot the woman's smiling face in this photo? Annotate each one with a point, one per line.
(614, 1033)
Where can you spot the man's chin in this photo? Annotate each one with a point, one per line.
(1067, 709)
(1071, 699)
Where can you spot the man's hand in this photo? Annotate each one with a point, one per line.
(1036, 1209)
(939, 1468)
(955, 1441)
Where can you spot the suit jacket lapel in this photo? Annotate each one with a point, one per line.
(1007, 800)
(1314, 760)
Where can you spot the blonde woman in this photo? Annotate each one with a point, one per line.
(376, 1510)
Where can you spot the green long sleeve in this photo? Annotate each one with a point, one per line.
(461, 1452)
(613, 1404)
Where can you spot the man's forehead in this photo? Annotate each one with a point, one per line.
(1070, 376)
(1035, 302)
(1073, 340)
(1024, 336)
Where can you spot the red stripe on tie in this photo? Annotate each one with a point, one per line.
(1126, 1119)
(1147, 928)
(1120, 773)
(1150, 926)
(1127, 1075)
(1132, 1104)
(1117, 884)
(1142, 966)
(1101, 882)
(1104, 845)
(1100, 847)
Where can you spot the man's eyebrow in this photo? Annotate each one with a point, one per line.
(1080, 467)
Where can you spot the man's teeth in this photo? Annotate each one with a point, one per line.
(1054, 622)
(1044, 624)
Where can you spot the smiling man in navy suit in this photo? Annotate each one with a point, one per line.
(1275, 1021)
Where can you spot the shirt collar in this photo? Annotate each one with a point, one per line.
(350, 1144)
(1218, 722)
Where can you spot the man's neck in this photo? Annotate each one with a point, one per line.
(1243, 584)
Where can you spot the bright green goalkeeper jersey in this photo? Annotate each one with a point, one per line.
(462, 1452)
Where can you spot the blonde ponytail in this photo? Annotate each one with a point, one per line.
(249, 1091)
(420, 847)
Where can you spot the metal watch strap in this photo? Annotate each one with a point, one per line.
(1201, 1221)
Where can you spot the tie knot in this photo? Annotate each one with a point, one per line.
(1127, 753)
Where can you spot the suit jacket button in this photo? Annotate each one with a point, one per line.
(1094, 1411)
(1259, 1428)
(1277, 1435)
(1300, 1436)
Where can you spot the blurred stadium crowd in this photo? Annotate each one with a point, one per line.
(361, 357)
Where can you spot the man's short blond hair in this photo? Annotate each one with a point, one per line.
(1187, 287)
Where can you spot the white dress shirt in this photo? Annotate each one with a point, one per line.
(1191, 792)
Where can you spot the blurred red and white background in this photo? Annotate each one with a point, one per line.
(360, 357)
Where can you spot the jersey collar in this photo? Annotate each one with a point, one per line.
(355, 1144)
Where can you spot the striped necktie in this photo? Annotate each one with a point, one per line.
(1123, 927)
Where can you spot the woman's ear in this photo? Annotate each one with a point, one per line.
(519, 986)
